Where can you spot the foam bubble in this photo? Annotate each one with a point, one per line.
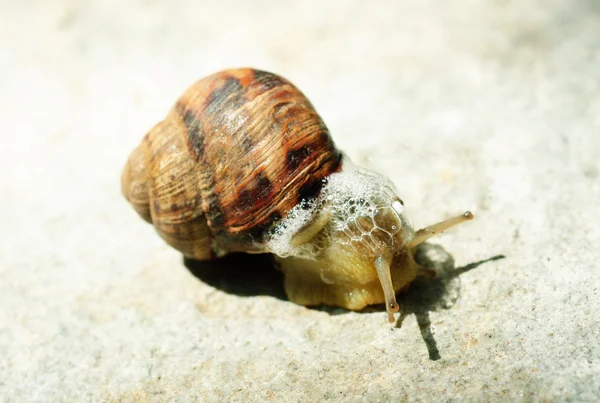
(356, 202)
(361, 199)
(281, 240)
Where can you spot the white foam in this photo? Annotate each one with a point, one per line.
(356, 193)
(349, 197)
(280, 242)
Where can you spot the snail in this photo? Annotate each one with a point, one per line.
(243, 163)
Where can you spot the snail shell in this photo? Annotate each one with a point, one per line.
(243, 163)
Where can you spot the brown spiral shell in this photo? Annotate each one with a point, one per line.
(239, 149)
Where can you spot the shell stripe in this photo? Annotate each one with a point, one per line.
(261, 148)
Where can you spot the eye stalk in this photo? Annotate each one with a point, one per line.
(424, 234)
(382, 266)
(382, 263)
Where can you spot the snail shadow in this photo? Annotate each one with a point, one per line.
(242, 274)
(250, 275)
(427, 295)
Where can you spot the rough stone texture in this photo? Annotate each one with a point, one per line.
(486, 105)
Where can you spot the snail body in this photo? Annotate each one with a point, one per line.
(244, 163)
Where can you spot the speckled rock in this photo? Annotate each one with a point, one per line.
(489, 106)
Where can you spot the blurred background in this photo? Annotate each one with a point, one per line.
(491, 106)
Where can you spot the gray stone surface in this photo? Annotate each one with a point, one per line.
(487, 105)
